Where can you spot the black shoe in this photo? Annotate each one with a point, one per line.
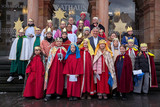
(75, 98)
(70, 99)
(58, 97)
(47, 98)
(124, 98)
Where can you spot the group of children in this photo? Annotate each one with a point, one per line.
(58, 63)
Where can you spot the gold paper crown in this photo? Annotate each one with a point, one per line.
(64, 30)
(143, 45)
(21, 30)
(63, 22)
(81, 21)
(49, 21)
(102, 41)
(59, 39)
(38, 28)
(129, 29)
(80, 35)
(131, 40)
(49, 29)
(30, 20)
(86, 28)
(101, 30)
(37, 48)
(115, 39)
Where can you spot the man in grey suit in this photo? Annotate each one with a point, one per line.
(95, 38)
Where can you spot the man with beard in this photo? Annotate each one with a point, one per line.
(30, 31)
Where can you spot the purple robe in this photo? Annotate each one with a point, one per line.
(86, 23)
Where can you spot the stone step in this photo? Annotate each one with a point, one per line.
(5, 67)
(3, 80)
(11, 87)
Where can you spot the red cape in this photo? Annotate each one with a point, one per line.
(87, 79)
(66, 44)
(125, 85)
(56, 77)
(35, 80)
(153, 72)
(136, 52)
(73, 66)
(103, 36)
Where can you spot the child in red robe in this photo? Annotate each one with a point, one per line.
(35, 75)
(145, 62)
(66, 42)
(73, 69)
(102, 34)
(123, 68)
(87, 81)
(103, 67)
(54, 83)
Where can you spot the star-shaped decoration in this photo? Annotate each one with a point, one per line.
(18, 25)
(120, 26)
(59, 14)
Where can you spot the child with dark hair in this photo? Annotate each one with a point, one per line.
(35, 75)
(123, 68)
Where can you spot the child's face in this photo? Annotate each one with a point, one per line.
(144, 48)
(85, 44)
(50, 24)
(115, 43)
(113, 36)
(49, 35)
(21, 34)
(38, 32)
(37, 51)
(130, 44)
(101, 33)
(122, 50)
(73, 48)
(87, 32)
(102, 46)
(63, 25)
(130, 32)
(69, 27)
(59, 43)
(80, 25)
(64, 35)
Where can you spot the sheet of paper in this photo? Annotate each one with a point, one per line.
(136, 72)
(98, 77)
(72, 78)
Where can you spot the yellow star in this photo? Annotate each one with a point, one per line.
(120, 26)
(59, 14)
(18, 25)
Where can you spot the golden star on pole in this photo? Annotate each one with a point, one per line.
(18, 25)
(120, 26)
(59, 14)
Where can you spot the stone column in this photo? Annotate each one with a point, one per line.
(103, 13)
(33, 10)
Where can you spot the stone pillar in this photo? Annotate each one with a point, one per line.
(33, 10)
(103, 13)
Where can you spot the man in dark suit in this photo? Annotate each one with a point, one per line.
(95, 38)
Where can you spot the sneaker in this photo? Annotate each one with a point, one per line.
(75, 98)
(70, 99)
(20, 77)
(47, 98)
(58, 97)
(10, 79)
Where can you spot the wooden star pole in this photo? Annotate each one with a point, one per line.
(59, 14)
(120, 27)
(18, 25)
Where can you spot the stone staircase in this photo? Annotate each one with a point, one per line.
(17, 86)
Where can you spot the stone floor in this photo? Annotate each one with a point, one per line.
(134, 100)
